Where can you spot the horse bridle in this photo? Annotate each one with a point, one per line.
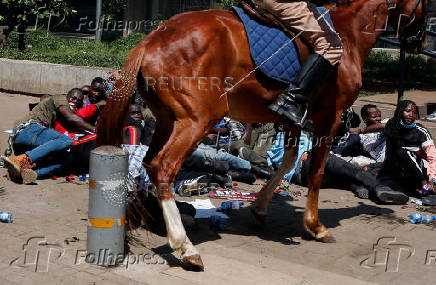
(420, 35)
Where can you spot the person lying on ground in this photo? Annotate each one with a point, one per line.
(366, 145)
(341, 174)
(208, 160)
(37, 146)
(409, 147)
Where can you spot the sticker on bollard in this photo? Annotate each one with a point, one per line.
(106, 223)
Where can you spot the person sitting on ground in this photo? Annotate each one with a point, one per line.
(338, 173)
(83, 141)
(138, 130)
(366, 145)
(85, 91)
(89, 113)
(408, 146)
(254, 146)
(34, 141)
(97, 91)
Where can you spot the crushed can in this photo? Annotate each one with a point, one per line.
(5, 217)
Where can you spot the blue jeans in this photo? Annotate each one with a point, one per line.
(206, 153)
(42, 142)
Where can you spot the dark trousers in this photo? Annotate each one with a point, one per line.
(341, 174)
(406, 174)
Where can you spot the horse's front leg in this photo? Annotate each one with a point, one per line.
(163, 168)
(323, 137)
(292, 139)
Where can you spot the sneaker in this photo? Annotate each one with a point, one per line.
(431, 117)
(187, 187)
(387, 195)
(361, 192)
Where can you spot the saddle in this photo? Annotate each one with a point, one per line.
(271, 48)
(266, 18)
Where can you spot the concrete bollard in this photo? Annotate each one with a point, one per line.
(108, 169)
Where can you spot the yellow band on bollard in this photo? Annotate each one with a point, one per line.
(106, 223)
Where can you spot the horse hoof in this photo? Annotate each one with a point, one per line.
(327, 239)
(260, 218)
(193, 262)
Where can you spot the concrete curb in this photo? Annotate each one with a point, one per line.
(33, 77)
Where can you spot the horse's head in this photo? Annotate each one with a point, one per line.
(408, 18)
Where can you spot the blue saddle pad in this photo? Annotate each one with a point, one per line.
(265, 41)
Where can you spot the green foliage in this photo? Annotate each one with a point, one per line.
(24, 12)
(114, 9)
(381, 72)
(84, 53)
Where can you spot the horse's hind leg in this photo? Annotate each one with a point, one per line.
(292, 139)
(184, 138)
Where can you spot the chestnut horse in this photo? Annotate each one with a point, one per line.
(183, 71)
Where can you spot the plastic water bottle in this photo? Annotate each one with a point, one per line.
(5, 217)
(226, 205)
(427, 219)
(415, 218)
(236, 204)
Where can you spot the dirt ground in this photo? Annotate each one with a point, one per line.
(375, 243)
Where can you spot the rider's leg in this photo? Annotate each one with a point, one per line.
(326, 44)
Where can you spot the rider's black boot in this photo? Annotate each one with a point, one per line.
(314, 71)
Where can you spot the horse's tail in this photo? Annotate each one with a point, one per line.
(110, 121)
